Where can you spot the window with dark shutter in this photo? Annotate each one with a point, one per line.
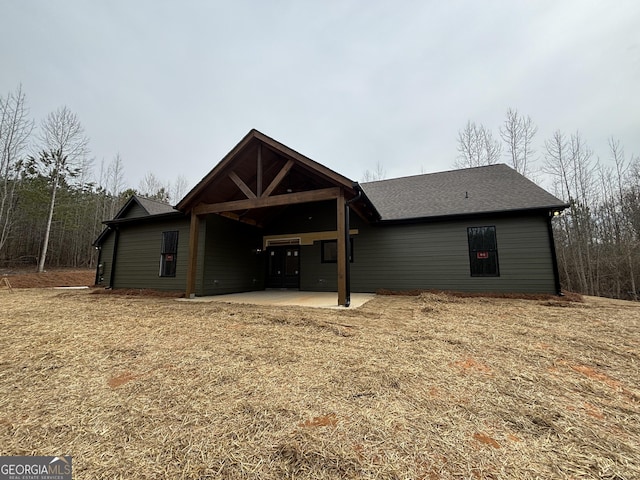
(168, 254)
(483, 252)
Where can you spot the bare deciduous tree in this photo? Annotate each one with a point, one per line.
(477, 147)
(15, 129)
(378, 173)
(54, 166)
(179, 189)
(151, 187)
(518, 132)
(65, 147)
(115, 185)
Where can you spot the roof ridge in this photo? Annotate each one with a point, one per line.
(456, 170)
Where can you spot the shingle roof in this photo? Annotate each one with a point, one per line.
(154, 207)
(492, 188)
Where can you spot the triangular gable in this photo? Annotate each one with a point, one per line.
(135, 208)
(141, 207)
(260, 168)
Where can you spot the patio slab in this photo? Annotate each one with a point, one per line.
(286, 297)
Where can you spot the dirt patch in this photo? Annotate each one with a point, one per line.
(428, 386)
(121, 379)
(321, 421)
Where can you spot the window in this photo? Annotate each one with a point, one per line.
(330, 251)
(168, 254)
(483, 252)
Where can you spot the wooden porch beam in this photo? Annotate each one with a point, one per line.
(342, 249)
(192, 266)
(259, 172)
(279, 177)
(239, 218)
(241, 185)
(274, 201)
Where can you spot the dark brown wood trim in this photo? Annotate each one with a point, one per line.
(309, 164)
(279, 177)
(241, 185)
(342, 250)
(238, 218)
(273, 201)
(259, 172)
(192, 266)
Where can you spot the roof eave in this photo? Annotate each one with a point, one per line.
(159, 216)
(430, 218)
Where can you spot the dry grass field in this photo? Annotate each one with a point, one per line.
(422, 387)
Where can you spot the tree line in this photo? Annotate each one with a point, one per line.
(598, 236)
(53, 196)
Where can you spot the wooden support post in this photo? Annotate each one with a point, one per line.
(259, 172)
(342, 250)
(192, 266)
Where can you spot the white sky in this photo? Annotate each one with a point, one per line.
(173, 85)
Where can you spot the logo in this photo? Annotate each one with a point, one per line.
(35, 468)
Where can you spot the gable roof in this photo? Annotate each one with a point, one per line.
(149, 206)
(136, 208)
(487, 189)
(240, 165)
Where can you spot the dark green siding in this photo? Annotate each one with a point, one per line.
(436, 256)
(134, 210)
(427, 255)
(138, 256)
(106, 259)
(231, 263)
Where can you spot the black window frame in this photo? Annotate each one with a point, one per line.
(323, 253)
(169, 253)
(483, 251)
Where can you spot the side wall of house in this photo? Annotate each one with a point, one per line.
(106, 260)
(435, 255)
(137, 263)
(232, 260)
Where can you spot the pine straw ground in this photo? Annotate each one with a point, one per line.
(430, 386)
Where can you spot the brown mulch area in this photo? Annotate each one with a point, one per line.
(50, 278)
(431, 386)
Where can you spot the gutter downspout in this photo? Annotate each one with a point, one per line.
(348, 243)
(554, 256)
(97, 279)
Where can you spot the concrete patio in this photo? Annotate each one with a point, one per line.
(286, 297)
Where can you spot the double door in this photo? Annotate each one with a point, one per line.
(283, 267)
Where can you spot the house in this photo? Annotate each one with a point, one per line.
(266, 217)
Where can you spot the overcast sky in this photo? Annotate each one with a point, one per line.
(173, 86)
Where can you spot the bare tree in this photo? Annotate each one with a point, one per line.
(56, 167)
(179, 189)
(62, 130)
(569, 162)
(477, 147)
(15, 129)
(151, 187)
(378, 174)
(65, 149)
(624, 227)
(517, 132)
(115, 185)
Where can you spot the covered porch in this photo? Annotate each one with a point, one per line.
(257, 185)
